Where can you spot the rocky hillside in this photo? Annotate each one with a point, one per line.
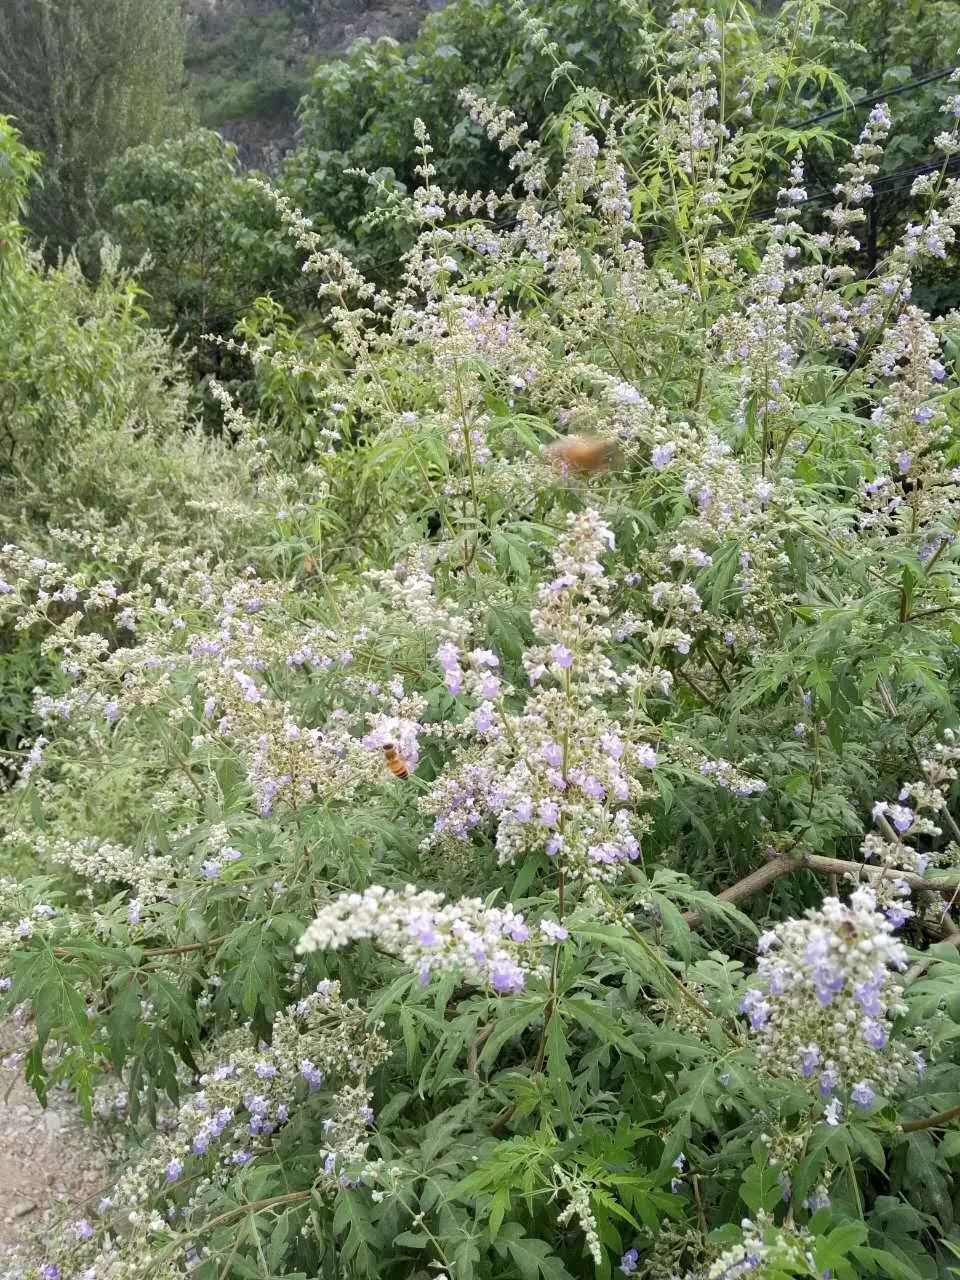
(249, 61)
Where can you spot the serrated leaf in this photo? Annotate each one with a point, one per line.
(594, 1018)
(510, 1025)
(760, 1188)
(531, 1257)
(498, 1208)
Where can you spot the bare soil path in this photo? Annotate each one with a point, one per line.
(50, 1161)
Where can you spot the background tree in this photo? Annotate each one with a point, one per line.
(360, 108)
(209, 238)
(85, 79)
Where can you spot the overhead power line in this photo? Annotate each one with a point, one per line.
(887, 182)
(874, 98)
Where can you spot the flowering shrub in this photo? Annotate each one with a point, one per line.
(833, 964)
(399, 882)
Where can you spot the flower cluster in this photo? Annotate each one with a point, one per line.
(825, 1009)
(563, 776)
(319, 1060)
(25, 914)
(903, 827)
(490, 946)
(764, 1250)
(913, 490)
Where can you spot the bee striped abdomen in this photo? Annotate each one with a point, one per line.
(395, 762)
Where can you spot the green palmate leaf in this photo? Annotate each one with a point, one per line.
(676, 932)
(699, 1090)
(499, 1207)
(517, 1017)
(670, 1043)
(358, 1237)
(123, 1017)
(833, 1248)
(641, 957)
(466, 1256)
(412, 1240)
(178, 1007)
(252, 957)
(531, 1257)
(53, 987)
(760, 1188)
(869, 1144)
(884, 1263)
(594, 1018)
(558, 1067)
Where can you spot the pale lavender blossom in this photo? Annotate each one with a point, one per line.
(827, 1002)
(625, 393)
(628, 1262)
(249, 686)
(488, 945)
(662, 454)
(862, 1095)
(311, 1074)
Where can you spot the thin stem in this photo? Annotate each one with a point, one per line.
(189, 946)
(701, 693)
(64, 953)
(652, 954)
(255, 1206)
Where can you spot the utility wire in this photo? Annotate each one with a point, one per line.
(887, 182)
(874, 98)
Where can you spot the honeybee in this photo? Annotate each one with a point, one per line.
(580, 453)
(395, 761)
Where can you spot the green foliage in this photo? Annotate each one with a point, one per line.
(209, 239)
(360, 109)
(253, 71)
(85, 79)
(95, 441)
(883, 47)
(606, 562)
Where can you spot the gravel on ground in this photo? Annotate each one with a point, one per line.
(51, 1162)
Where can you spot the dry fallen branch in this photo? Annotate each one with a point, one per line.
(785, 863)
(863, 870)
(931, 1122)
(751, 884)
